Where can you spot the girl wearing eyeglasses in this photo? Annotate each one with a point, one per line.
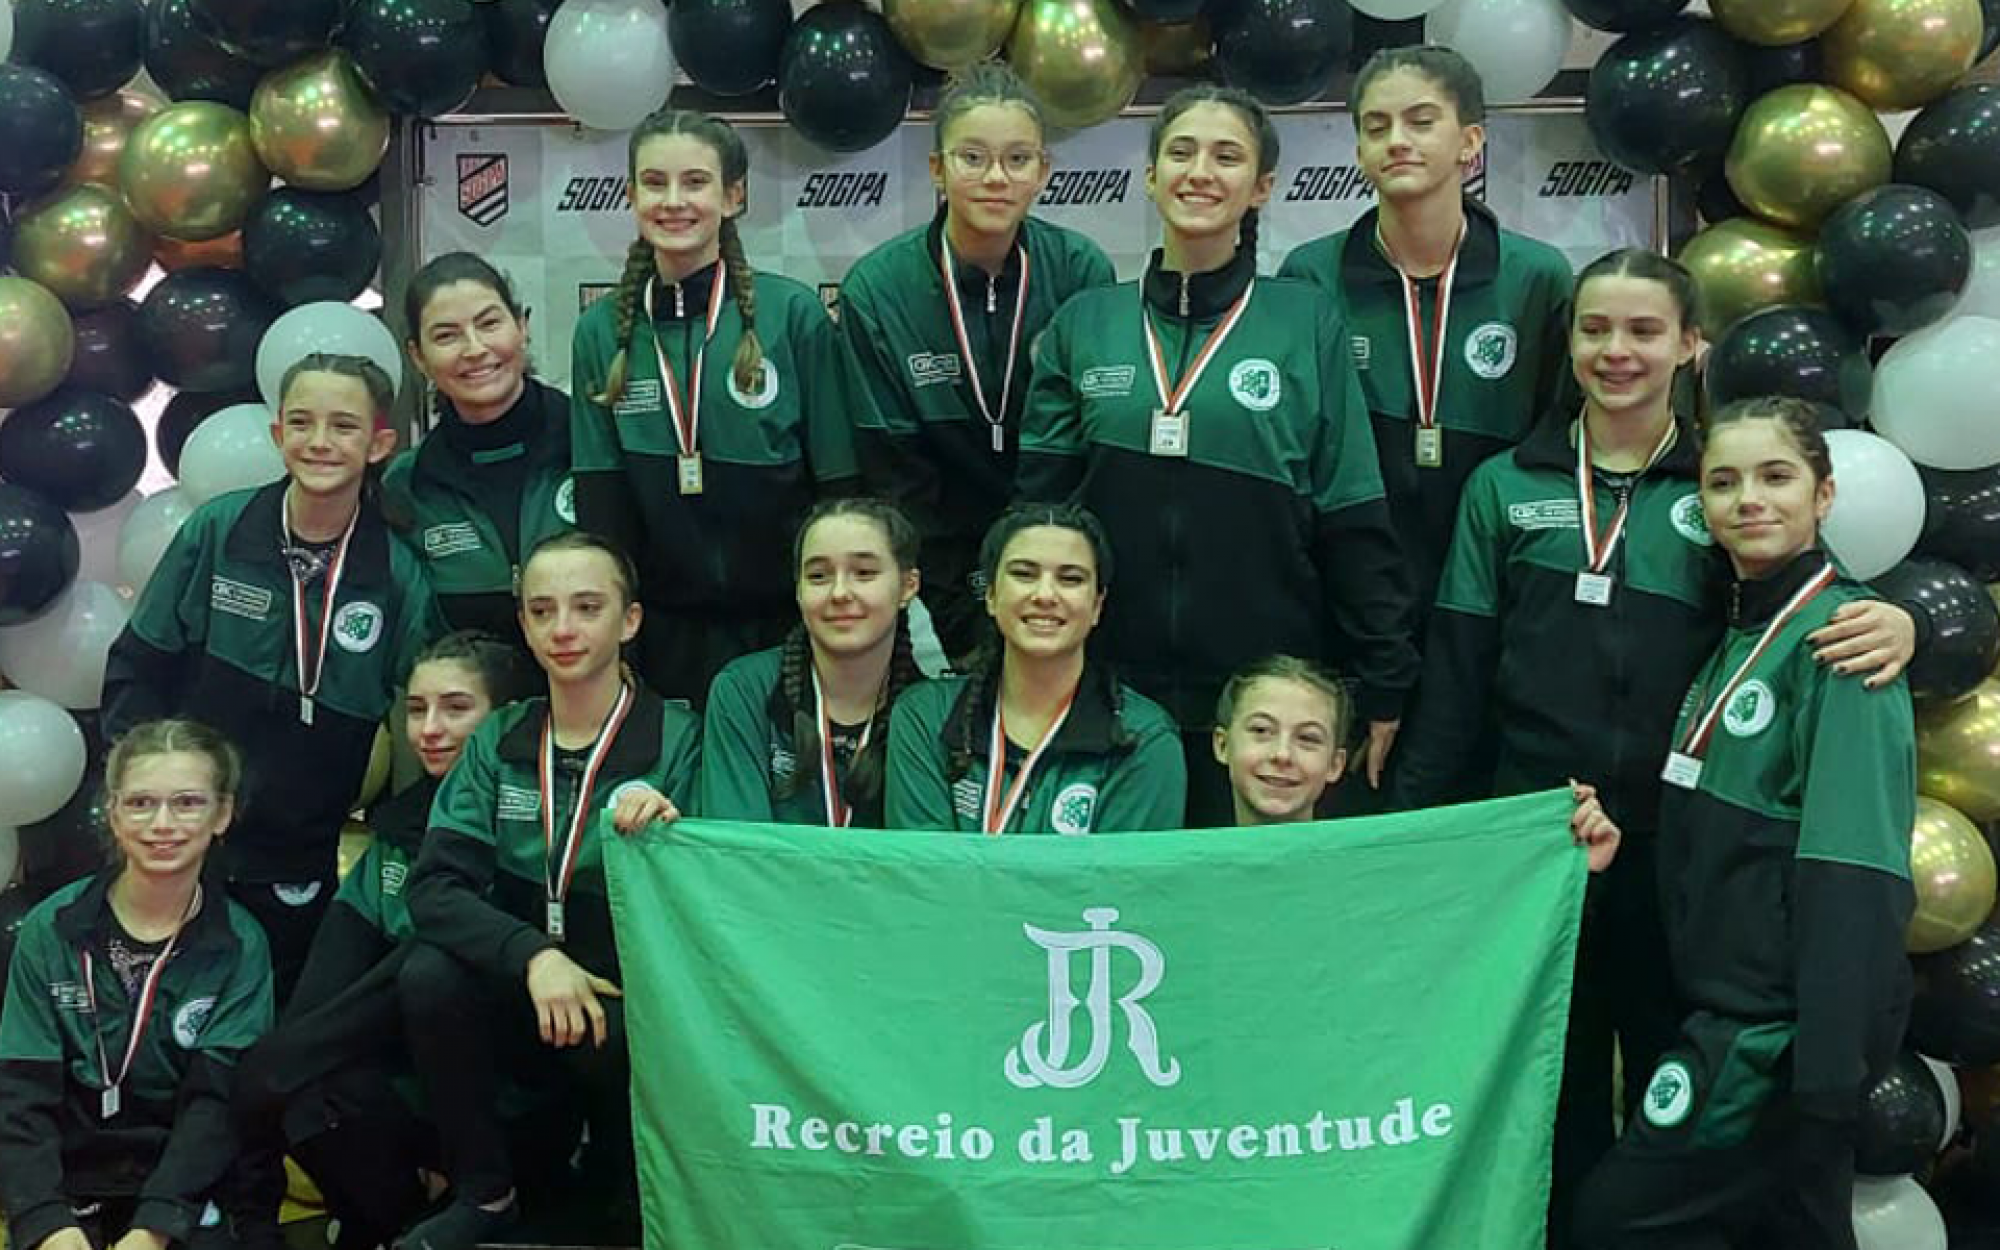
(947, 360)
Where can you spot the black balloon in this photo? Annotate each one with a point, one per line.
(189, 65)
(422, 57)
(266, 33)
(1956, 1014)
(1962, 519)
(1953, 147)
(303, 246)
(184, 412)
(1965, 627)
(515, 33)
(1624, 15)
(1281, 51)
(68, 846)
(200, 328)
(93, 46)
(15, 902)
(1902, 1120)
(729, 47)
(1168, 11)
(1716, 200)
(1772, 68)
(108, 355)
(78, 449)
(1666, 100)
(1376, 34)
(1991, 9)
(39, 552)
(41, 130)
(1894, 259)
(843, 80)
(1806, 353)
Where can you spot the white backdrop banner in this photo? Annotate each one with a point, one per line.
(547, 203)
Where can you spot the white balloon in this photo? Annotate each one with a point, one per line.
(229, 451)
(609, 62)
(41, 758)
(1982, 293)
(1394, 10)
(10, 855)
(1878, 503)
(147, 532)
(1947, 1081)
(98, 533)
(60, 654)
(1935, 394)
(1894, 1213)
(6, 29)
(1517, 46)
(324, 326)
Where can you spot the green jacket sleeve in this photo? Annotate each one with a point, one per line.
(916, 792)
(734, 782)
(32, 1079)
(836, 401)
(604, 503)
(1148, 789)
(145, 667)
(681, 768)
(1052, 456)
(423, 617)
(1555, 385)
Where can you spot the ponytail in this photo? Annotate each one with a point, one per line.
(748, 366)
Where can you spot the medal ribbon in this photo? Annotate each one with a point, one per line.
(951, 300)
(1695, 744)
(1172, 399)
(1426, 359)
(686, 412)
(838, 814)
(141, 1016)
(999, 811)
(309, 677)
(557, 883)
(1597, 548)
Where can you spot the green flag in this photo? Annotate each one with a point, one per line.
(1342, 1036)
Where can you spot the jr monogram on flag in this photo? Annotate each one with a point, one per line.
(1340, 1036)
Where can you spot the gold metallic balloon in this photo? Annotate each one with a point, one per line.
(1804, 150)
(1952, 869)
(1745, 264)
(1081, 58)
(316, 124)
(223, 253)
(37, 340)
(1902, 54)
(83, 245)
(1775, 23)
(189, 171)
(1178, 49)
(355, 839)
(107, 124)
(1958, 753)
(951, 34)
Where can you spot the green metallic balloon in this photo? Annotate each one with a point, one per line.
(1804, 150)
(37, 342)
(1744, 264)
(316, 125)
(951, 34)
(1083, 59)
(1958, 753)
(83, 244)
(1902, 54)
(190, 172)
(1776, 23)
(1952, 869)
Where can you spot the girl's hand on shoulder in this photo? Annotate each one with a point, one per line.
(1871, 637)
(639, 806)
(1591, 828)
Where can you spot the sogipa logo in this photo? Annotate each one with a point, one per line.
(1043, 1057)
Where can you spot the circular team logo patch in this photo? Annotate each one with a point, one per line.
(1690, 522)
(611, 803)
(566, 501)
(1490, 350)
(296, 895)
(358, 627)
(766, 393)
(1750, 709)
(188, 1021)
(1255, 384)
(1073, 808)
(1669, 1095)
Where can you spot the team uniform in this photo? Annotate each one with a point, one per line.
(116, 1058)
(1785, 861)
(1112, 762)
(947, 371)
(513, 866)
(750, 770)
(1475, 354)
(475, 499)
(702, 483)
(1214, 423)
(220, 635)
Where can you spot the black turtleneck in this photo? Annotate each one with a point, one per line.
(1754, 601)
(686, 300)
(1206, 295)
(500, 450)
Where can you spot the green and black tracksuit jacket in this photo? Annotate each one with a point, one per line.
(748, 754)
(1785, 873)
(475, 499)
(924, 442)
(1506, 361)
(211, 638)
(1271, 535)
(370, 917)
(171, 1143)
(478, 890)
(1115, 764)
(721, 560)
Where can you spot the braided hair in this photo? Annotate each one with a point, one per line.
(1256, 119)
(734, 158)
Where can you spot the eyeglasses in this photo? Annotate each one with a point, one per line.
(188, 807)
(1016, 163)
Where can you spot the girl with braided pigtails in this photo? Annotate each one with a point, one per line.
(799, 733)
(712, 405)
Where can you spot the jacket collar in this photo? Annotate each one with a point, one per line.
(1752, 603)
(1362, 262)
(635, 750)
(254, 539)
(539, 420)
(1209, 294)
(694, 292)
(85, 915)
(1551, 445)
(972, 280)
(1092, 726)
